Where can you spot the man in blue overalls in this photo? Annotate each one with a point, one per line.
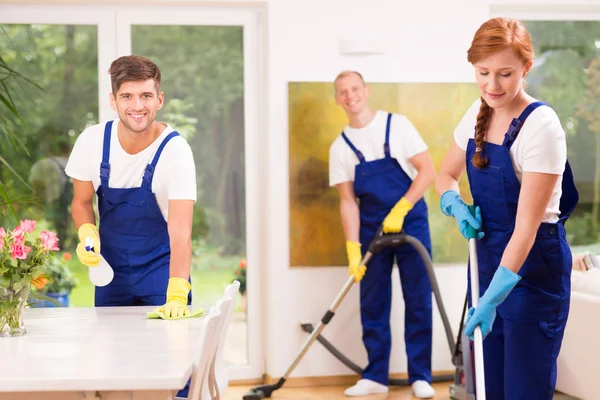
(381, 160)
(143, 174)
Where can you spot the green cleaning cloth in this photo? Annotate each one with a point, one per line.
(157, 314)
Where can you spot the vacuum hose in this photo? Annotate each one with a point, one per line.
(380, 242)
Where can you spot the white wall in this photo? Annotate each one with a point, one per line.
(427, 42)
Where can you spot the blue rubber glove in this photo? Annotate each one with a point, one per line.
(502, 283)
(453, 206)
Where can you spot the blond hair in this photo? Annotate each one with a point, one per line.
(346, 73)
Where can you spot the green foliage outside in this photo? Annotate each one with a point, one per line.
(566, 75)
(61, 278)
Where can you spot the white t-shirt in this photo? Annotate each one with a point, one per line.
(174, 176)
(405, 142)
(541, 146)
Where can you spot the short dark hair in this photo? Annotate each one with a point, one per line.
(133, 68)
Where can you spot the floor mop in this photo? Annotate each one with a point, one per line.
(463, 387)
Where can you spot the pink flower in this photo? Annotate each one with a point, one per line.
(49, 240)
(19, 251)
(27, 225)
(18, 233)
(2, 233)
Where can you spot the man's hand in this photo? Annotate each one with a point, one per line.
(177, 296)
(354, 258)
(395, 219)
(89, 257)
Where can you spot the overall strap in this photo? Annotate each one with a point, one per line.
(360, 156)
(105, 165)
(149, 172)
(517, 124)
(386, 145)
(570, 195)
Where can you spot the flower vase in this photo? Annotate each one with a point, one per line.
(12, 304)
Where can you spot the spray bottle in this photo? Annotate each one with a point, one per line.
(102, 274)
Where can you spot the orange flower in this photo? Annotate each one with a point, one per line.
(39, 282)
(242, 264)
(66, 256)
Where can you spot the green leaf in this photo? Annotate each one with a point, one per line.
(3, 161)
(11, 107)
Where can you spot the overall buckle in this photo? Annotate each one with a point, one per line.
(104, 170)
(148, 173)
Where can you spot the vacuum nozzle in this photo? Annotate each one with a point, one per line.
(254, 394)
(264, 391)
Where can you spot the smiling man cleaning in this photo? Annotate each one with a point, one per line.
(381, 160)
(144, 176)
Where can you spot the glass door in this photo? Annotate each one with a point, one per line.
(208, 62)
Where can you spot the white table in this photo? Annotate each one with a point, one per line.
(98, 353)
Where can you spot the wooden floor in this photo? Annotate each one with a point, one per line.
(337, 393)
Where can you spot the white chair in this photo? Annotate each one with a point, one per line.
(212, 386)
(218, 370)
(208, 342)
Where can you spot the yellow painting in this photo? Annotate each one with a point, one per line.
(316, 234)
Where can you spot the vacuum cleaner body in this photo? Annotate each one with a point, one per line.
(463, 387)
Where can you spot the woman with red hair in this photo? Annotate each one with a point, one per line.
(513, 148)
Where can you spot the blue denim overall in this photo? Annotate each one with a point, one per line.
(520, 353)
(379, 185)
(134, 237)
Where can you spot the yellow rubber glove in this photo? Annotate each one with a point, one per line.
(89, 258)
(354, 258)
(395, 219)
(177, 296)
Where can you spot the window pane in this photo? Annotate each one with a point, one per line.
(57, 104)
(566, 75)
(202, 78)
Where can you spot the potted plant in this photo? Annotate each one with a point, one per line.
(22, 259)
(56, 282)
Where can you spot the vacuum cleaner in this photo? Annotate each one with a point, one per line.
(462, 378)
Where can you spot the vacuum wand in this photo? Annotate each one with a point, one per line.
(265, 391)
(326, 318)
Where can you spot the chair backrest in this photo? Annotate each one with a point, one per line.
(208, 341)
(225, 305)
(220, 370)
(231, 291)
